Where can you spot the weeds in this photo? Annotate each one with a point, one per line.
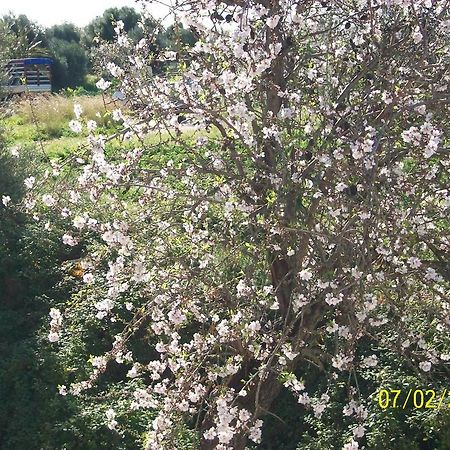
(52, 113)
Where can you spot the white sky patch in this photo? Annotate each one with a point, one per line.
(80, 13)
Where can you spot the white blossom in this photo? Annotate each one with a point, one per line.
(48, 200)
(6, 199)
(76, 126)
(29, 182)
(102, 84)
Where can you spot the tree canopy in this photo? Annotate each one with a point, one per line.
(296, 243)
(262, 262)
(103, 26)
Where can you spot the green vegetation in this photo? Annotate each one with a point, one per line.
(38, 272)
(43, 123)
(30, 260)
(70, 47)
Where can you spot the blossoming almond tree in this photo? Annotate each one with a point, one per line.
(305, 211)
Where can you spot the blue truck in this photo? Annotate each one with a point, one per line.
(28, 75)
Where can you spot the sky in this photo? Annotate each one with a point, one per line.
(79, 12)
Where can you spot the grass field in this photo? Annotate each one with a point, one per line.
(43, 122)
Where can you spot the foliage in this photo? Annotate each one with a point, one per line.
(28, 270)
(35, 276)
(50, 116)
(25, 38)
(65, 32)
(103, 26)
(70, 47)
(70, 58)
(301, 250)
(70, 64)
(176, 35)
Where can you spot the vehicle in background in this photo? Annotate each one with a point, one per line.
(27, 75)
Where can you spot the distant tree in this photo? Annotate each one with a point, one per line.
(176, 35)
(103, 26)
(151, 30)
(26, 38)
(71, 61)
(66, 32)
(6, 40)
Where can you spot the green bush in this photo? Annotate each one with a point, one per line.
(70, 64)
(32, 264)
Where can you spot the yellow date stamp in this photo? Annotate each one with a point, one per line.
(413, 398)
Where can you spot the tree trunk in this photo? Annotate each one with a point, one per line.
(267, 393)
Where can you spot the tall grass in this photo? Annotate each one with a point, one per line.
(52, 113)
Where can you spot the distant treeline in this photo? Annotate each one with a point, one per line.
(71, 46)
